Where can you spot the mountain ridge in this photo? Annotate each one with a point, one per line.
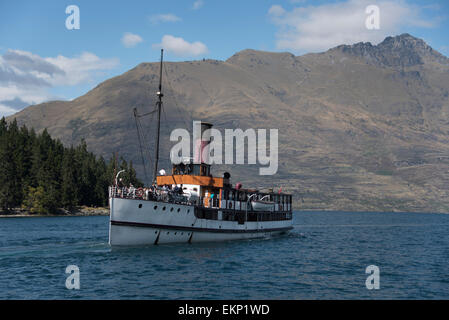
(405, 50)
(361, 127)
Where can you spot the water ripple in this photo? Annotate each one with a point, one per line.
(323, 257)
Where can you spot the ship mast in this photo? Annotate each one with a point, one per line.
(159, 107)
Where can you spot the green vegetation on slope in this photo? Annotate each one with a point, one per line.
(40, 174)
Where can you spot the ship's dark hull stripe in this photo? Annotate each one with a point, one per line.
(161, 226)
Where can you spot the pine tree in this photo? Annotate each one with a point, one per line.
(10, 181)
(3, 126)
(69, 188)
(102, 183)
(24, 157)
(111, 170)
(132, 176)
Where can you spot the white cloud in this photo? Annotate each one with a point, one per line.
(27, 95)
(81, 68)
(167, 17)
(198, 4)
(14, 97)
(318, 28)
(26, 78)
(180, 47)
(276, 10)
(131, 40)
(6, 111)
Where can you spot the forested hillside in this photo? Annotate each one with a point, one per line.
(40, 174)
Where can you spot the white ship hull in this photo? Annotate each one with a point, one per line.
(138, 222)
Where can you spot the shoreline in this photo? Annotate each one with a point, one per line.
(104, 211)
(77, 212)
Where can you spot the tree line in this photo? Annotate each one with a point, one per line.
(40, 174)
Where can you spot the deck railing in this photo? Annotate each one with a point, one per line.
(164, 195)
(150, 194)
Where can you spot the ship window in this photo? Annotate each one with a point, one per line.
(155, 207)
(163, 208)
(140, 205)
(171, 209)
(195, 189)
(179, 209)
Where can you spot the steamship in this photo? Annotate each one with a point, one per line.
(190, 205)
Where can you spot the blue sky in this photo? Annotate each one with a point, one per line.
(40, 59)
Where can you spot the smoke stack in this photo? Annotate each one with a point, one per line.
(202, 141)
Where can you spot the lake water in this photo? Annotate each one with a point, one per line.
(324, 257)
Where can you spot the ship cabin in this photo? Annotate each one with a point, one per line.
(208, 192)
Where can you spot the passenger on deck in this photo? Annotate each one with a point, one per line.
(182, 168)
(131, 190)
(147, 193)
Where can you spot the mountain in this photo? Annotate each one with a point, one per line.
(361, 127)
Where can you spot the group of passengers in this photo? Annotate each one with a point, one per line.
(154, 192)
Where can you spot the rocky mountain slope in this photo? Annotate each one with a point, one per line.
(361, 127)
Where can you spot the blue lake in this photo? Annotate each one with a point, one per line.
(324, 257)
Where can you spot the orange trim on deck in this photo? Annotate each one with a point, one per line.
(190, 179)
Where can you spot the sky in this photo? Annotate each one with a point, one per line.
(47, 53)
